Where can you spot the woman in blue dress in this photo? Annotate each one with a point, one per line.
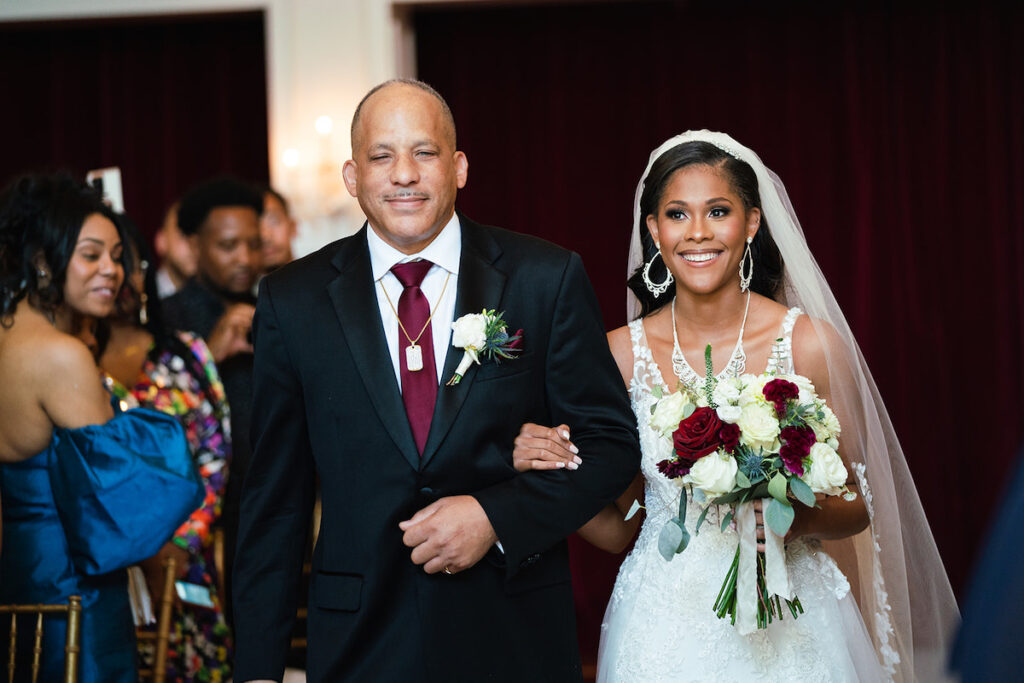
(85, 492)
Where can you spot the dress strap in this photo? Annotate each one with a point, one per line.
(781, 359)
(645, 372)
(639, 339)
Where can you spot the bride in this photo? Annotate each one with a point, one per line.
(718, 257)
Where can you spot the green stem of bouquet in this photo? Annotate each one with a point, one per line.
(769, 607)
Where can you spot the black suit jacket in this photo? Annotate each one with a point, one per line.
(326, 402)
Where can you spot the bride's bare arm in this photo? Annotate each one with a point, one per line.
(836, 517)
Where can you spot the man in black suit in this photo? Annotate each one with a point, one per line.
(435, 561)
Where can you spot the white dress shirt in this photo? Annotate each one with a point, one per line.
(444, 252)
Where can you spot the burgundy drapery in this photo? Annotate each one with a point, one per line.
(171, 100)
(897, 130)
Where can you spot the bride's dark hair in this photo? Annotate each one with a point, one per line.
(40, 219)
(767, 278)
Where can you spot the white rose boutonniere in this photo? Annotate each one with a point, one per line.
(483, 334)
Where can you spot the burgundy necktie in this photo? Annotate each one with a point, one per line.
(419, 387)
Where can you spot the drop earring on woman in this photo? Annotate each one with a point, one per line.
(143, 299)
(656, 288)
(747, 259)
(143, 313)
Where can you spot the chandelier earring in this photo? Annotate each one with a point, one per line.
(656, 288)
(748, 261)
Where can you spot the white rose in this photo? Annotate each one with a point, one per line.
(668, 413)
(753, 390)
(827, 474)
(807, 391)
(727, 392)
(470, 331)
(730, 414)
(715, 474)
(759, 428)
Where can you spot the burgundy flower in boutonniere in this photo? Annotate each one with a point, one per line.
(483, 334)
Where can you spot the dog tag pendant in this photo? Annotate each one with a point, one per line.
(414, 357)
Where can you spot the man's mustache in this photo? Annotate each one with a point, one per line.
(407, 194)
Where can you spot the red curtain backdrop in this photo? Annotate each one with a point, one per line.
(897, 130)
(171, 100)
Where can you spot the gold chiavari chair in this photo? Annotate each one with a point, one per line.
(161, 636)
(73, 609)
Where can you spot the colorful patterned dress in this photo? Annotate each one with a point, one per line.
(182, 381)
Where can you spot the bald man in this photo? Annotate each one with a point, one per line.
(435, 561)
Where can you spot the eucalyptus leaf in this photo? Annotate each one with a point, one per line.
(688, 410)
(802, 491)
(778, 516)
(657, 391)
(729, 497)
(673, 539)
(682, 504)
(759, 491)
(700, 520)
(741, 480)
(699, 496)
(777, 488)
(633, 509)
(726, 521)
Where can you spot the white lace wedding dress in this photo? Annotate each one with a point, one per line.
(660, 626)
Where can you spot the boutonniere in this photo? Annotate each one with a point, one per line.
(483, 334)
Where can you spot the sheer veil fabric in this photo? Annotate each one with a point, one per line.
(894, 566)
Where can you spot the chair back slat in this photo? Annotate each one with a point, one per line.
(12, 647)
(73, 610)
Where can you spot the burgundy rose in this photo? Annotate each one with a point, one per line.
(697, 435)
(796, 444)
(778, 391)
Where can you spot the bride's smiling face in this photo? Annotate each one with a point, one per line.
(702, 227)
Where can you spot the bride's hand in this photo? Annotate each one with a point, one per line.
(544, 448)
(759, 518)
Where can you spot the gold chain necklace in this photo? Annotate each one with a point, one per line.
(414, 352)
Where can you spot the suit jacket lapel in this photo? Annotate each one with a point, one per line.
(355, 303)
(480, 286)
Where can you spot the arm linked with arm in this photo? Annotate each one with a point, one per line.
(530, 513)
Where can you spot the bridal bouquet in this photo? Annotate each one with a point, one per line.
(739, 439)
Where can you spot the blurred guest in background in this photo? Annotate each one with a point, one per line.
(73, 472)
(176, 254)
(277, 230)
(221, 219)
(174, 373)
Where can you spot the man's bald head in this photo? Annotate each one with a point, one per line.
(449, 120)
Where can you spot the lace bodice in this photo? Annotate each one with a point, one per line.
(655, 601)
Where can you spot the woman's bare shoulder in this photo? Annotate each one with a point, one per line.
(57, 373)
(817, 345)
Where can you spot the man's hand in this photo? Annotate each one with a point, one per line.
(452, 533)
(231, 334)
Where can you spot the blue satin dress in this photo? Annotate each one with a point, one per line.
(96, 501)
